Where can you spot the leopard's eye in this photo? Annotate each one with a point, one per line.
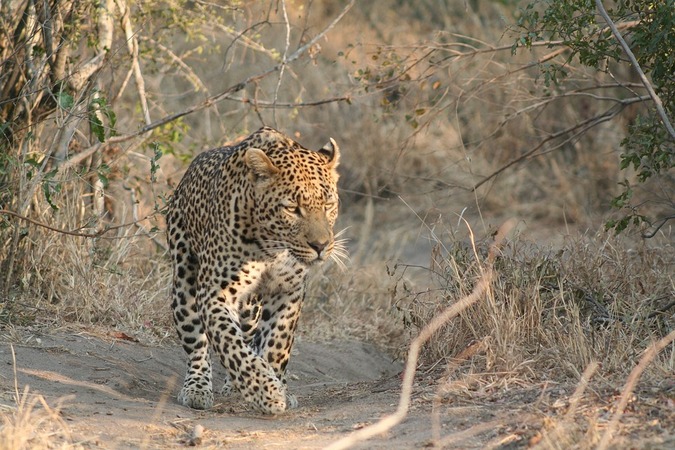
(330, 206)
(293, 209)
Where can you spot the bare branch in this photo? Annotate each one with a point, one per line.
(283, 59)
(243, 40)
(227, 93)
(578, 129)
(655, 98)
(99, 233)
(105, 34)
(299, 52)
(190, 74)
(264, 104)
(132, 45)
(657, 227)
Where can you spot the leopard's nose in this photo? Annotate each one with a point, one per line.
(318, 246)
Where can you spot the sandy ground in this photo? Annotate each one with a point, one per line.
(120, 394)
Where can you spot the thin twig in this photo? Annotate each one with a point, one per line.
(661, 311)
(190, 74)
(629, 387)
(283, 59)
(104, 40)
(657, 227)
(132, 46)
(582, 127)
(638, 69)
(437, 322)
(264, 104)
(299, 52)
(232, 89)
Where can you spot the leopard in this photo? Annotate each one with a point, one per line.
(245, 226)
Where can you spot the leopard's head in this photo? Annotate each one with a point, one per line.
(296, 200)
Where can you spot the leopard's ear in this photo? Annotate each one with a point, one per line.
(260, 165)
(332, 151)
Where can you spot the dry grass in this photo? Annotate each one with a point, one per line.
(590, 312)
(31, 423)
(432, 166)
(116, 282)
(357, 302)
(551, 312)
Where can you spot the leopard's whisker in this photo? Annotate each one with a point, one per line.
(341, 232)
(338, 261)
(340, 254)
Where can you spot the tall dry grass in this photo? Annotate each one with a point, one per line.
(473, 119)
(105, 283)
(550, 312)
(119, 279)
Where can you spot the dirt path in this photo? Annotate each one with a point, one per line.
(120, 394)
(116, 394)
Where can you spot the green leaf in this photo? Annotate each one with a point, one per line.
(102, 173)
(49, 187)
(96, 126)
(98, 108)
(65, 100)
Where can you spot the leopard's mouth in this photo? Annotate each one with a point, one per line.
(306, 255)
(310, 257)
(307, 259)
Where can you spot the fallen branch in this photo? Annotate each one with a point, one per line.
(436, 323)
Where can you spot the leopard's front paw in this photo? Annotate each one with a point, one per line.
(271, 399)
(196, 398)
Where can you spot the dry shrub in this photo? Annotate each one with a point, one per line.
(398, 138)
(118, 279)
(549, 313)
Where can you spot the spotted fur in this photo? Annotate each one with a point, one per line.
(244, 226)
